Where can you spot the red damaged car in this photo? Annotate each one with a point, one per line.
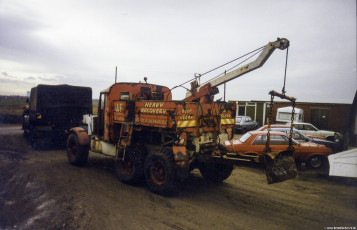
(252, 144)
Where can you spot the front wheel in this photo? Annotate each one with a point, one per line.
(77, 154)
(316, 162)
(215, 172)
(130, 170)
(160, 172)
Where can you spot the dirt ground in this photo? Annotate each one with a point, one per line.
(41, 190)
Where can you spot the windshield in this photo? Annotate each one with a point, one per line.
(295, 142)
(297, 135)
(245, 137)
(310, 127)
(300, 135)
(238, 119)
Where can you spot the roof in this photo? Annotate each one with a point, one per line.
(264, 127)
(297, 122)
(45, 97)
(265, 132)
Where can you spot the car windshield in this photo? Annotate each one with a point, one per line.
(245, 137)
(304, 127)
(238, 119)
(295, 142)
(297, 135)
(300, 136)
(310, 127)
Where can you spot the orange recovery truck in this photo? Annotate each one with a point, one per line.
(154, 137)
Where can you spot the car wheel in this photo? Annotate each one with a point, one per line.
(315, 162)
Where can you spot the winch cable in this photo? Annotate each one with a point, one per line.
(223, 73)
(282, 96)
(286, 66)
(257, 50)
(292, 102)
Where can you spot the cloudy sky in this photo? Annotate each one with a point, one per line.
(79, 42)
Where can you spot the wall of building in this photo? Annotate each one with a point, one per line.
(330, 116)
(337, 119)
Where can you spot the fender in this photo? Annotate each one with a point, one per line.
(82, 135)
(179, 153)
(181, 161)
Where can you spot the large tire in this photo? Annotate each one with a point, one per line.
(160, 172)
(316, 162)
(131, 169)
(215, 172)
(77, 154)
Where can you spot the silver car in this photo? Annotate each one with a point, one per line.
(245, 124)
(311, 130)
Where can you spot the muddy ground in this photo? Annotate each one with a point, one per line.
(41, 190)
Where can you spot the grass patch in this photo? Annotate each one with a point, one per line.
(95, 103)
(11, 109)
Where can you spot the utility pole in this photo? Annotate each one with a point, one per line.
(116, 70)
(224, 97)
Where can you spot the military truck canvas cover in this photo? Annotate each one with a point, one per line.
(45, 97)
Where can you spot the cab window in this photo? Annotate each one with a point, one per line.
(124, 96)
(103, 100)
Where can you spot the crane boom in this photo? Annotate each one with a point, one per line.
(205, 91)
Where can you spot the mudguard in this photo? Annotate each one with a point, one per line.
(181, 161)
(82, 135)
(180, 153)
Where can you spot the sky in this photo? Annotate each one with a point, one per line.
(80, 42)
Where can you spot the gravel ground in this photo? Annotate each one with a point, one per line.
(41, 190)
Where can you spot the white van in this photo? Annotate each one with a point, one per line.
(283, 114)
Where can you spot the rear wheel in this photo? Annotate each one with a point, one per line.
(160, 172)
(215, 172)
(130, 170)
(315, 162)
(77, 154)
